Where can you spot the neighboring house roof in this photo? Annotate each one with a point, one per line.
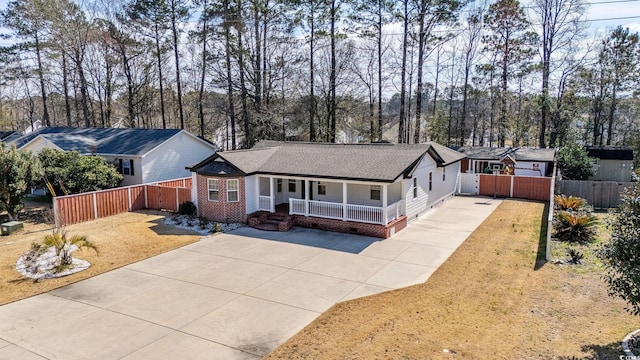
(368, 162)
(102, 141)
(609, 152)
(517, 154)
(6, 134)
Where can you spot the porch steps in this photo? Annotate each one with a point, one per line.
(271, 222)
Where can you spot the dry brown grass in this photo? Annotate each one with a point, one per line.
(486, 302)
(121, 240)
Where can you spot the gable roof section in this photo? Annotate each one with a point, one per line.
(367, 162)
(102, 141)
(518, 154)
(609, 152)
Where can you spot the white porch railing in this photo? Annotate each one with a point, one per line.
(394, 211)
(359, 213)
(325, 209)
(297, 206)
(264, 203)
(362, 213)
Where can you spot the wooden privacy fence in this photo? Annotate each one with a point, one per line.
(521, 187)
(600, 194)
(72, 209)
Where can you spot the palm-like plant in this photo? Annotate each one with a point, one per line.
(575, 227)
(571, 203)
(64, 245)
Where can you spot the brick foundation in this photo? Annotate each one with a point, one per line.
(351, 227)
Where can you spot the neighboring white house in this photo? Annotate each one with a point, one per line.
(141, 155)
(517, 161)
(372, 189)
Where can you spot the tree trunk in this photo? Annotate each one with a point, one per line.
(435, 87)
(108, 89)
(380, 70)
(232, 113)
(332, 76)
(257, 70)
(403, 75)
(312, 96)
(249, 138)
(83, 91)
(160, 75)
(174, 30)
(203, 69)
(612, 112)
(65, 88)
(421, 45)
(45, 110)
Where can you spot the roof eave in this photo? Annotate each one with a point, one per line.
(347, 178)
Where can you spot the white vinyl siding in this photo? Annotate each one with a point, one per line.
(444, 189)
(170, 159)
(417, 205)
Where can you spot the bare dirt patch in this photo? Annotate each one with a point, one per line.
(489, 300)
(121, 240)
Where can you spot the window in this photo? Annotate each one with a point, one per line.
(375, 192)
(232, 190)
(292, 186)
(279, 185)
(444, 174)
(430, 181)
(125, 166)
(322, 188)
(415, 187)
(213, 189)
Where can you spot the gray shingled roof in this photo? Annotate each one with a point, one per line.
(518, 154)
(101, 141)
(369, 162)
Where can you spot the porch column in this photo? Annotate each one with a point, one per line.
(307, 186)
(344, 201)
(272, 191)
(384, 204)
(257, 189)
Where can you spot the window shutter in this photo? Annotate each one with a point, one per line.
(131, 166)
(120, 166)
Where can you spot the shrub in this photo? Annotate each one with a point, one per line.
(64, 245)
(187, 208)
(621, 254)
(571, 203)
(574, 163)
(575, 227)
(575, 256)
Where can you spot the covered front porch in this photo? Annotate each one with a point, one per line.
(346, 200)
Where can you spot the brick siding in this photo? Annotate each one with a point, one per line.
(221, 210)
(375, 230)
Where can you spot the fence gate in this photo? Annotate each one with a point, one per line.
(469, 184)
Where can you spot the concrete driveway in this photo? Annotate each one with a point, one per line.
(231, 296)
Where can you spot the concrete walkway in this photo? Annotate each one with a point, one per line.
(231, 296)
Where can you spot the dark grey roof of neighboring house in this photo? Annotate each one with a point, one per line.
(6, 134)
(101, 141)
(518, 154)
(609, 152)
(372, 162)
